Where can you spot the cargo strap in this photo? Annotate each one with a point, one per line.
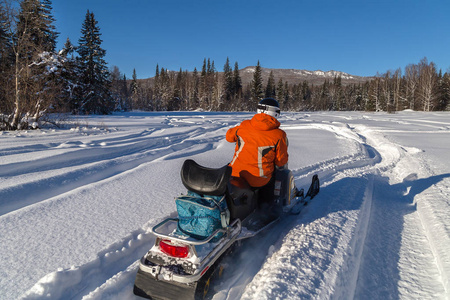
(224, 213)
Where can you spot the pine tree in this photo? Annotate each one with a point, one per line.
(211, 88)
(95, 95)
(195, 90)
(324, 100)
(237, 82)
(213, 68)
(177, 91)
(209, 69)
(174, 102)
(445, 96)
(6, 52)
(306, 92)
(286, 105)
(50, 33)
(70, 74)
(280, 90)
(125, 94)
(6, 63)
(228, 80)
(157, 85)
(36, 20)
(68, 48)
(270, 88)
(338, 93)
(256, 86)
(203, 95)
(134, 84)
(166, 90)
(134, 91)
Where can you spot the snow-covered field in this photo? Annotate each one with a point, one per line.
(77, 205)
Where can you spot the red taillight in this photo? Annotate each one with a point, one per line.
(173, 250)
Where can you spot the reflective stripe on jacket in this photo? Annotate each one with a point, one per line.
(260, 145)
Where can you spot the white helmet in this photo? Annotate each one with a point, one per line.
(269, 106)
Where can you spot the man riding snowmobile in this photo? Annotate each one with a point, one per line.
(222, 208)
(261, 146)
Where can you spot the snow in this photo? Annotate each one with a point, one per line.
(77, 206)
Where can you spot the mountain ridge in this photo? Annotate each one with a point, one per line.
(296, 76)
(292, 76)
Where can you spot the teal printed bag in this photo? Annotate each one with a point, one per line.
(199, 216)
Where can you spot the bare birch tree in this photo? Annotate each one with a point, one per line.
(412, 78)
(427, 81)
(396, 78)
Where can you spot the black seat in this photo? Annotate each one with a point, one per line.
(205, 181)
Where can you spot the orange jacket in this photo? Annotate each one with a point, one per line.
(260, 145)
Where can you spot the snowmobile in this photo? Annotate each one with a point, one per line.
(184, 260)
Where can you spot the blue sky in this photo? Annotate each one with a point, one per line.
(357, 37)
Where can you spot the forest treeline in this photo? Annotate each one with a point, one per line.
(421, 87)
(36, 79)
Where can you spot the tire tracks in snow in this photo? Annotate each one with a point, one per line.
(78, 281)
(307, 262)
(391, 239)
(40, 181)
(432, 217)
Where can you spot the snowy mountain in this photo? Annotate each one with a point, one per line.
(77, 205)
(293, 76)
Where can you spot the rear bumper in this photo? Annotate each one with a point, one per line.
(147, 286)
(156, 278)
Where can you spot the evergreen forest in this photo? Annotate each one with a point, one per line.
(37, 80)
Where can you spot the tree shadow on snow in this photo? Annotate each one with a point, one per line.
(376, 270)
